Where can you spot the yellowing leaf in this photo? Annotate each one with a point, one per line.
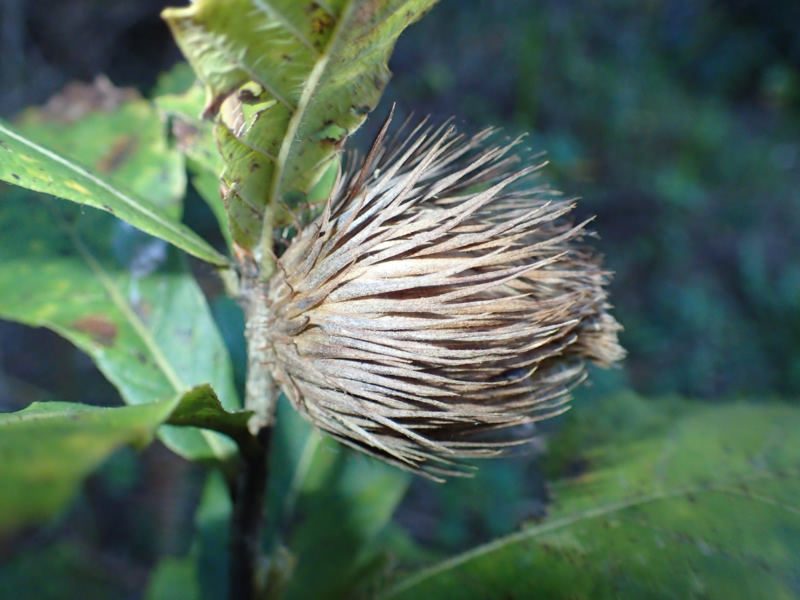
(289, 79)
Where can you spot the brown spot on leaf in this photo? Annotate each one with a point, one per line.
(78, 99)
(99, 327)
(321, 23)
(184, 133)
(366, 12)
(118, 154)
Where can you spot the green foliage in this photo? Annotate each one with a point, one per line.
(329, 507)
(651, 499)
(301, 77)
(27, 164)
(665, 500)
(174, 579)
(151, 335)
(127, 144)
(60, 571)
(182, 107)
(49, 447)
(676, 123)
(126, 299)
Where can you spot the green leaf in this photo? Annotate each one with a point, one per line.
(118, 294)
(203, 572)
(48, 448)
(126, 143)
(212, 524)
(290, 80)
(683, 501)
(194, 137)
(124, 298)
(174, 579)
(25, 163)
(204, 410)
(330, 505)
(63, 571)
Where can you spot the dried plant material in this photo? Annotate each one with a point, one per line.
(439, 296)
(78, 99)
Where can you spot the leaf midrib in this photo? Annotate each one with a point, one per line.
(199, 250)
(534, 532)
(309, 91)
(149, 341)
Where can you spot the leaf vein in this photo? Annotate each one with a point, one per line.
(276, 15)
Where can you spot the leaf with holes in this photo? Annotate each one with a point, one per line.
(289, 80)
(678, 501)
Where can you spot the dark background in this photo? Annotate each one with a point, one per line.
(677, 123)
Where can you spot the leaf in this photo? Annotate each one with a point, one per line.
(290, 80)
(194, 137)
(25, 163)
(692, 502)
(124, 298)
(203, 572)
(121, 296)
(49, 447)
(126, 143)
(204, 410)
(326, 506)
(63, 571)
(330, 504)
(174, 579)
(212, 523)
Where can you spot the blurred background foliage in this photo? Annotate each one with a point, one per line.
(677, 123)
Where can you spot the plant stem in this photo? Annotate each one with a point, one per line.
(247, 524)
(247, 580)
(260, 394)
